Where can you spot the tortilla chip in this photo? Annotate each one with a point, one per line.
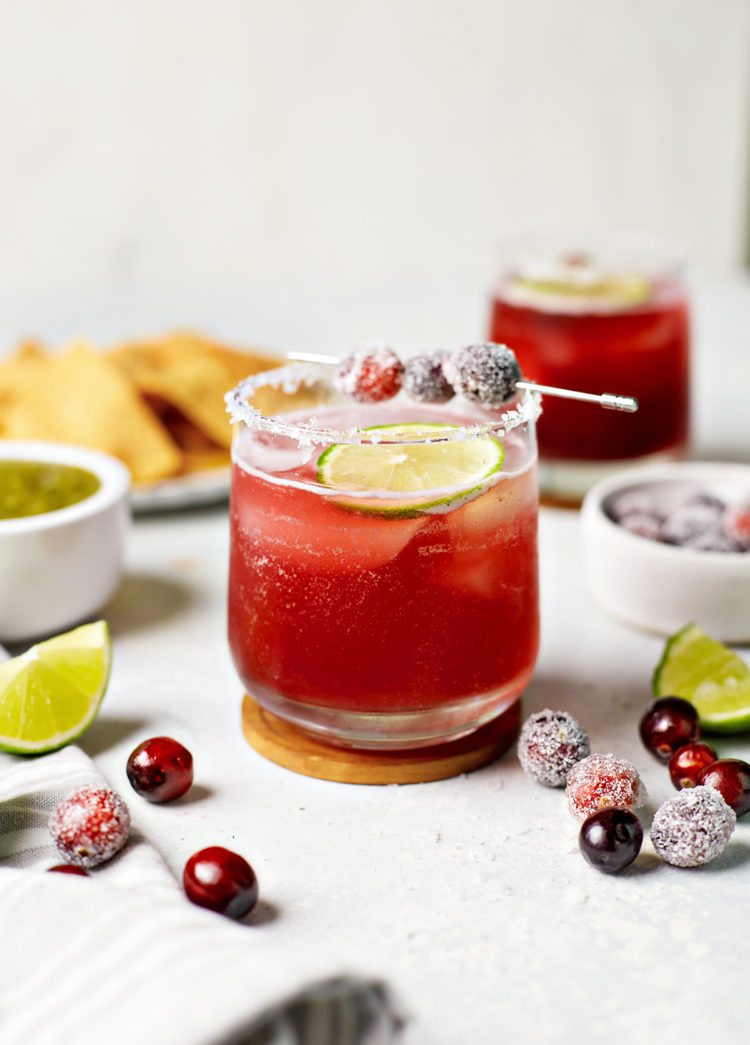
(83, 397)
(193, 374)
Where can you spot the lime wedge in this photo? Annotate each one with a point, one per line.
(708, 674)
(614, 292)
(405, 469)
(51, 694)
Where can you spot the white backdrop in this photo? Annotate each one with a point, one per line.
(278, 170)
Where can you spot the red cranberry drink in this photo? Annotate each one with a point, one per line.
(618, 321)
(383, 570)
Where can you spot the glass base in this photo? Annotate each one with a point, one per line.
(394, 731)
(565, 483)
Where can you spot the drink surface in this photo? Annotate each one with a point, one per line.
(642, 350)
(342, 607)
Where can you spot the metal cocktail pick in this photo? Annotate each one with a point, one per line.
(627, 404)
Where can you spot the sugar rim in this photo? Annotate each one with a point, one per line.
(290, 377)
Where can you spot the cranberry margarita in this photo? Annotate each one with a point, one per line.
(597, 324)
(370, 615)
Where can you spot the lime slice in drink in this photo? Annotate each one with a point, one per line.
(51, 694)
(708, 674)
(609, 292)
(405, 469)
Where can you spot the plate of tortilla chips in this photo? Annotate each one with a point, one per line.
(156, 404)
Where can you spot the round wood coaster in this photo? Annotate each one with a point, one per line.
(288, 746)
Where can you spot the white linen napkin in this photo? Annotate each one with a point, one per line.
(123, 956)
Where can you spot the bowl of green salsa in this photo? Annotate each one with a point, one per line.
(63, 518)
(36, 487)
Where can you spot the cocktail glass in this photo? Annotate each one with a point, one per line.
(367, 617)
(598, 318)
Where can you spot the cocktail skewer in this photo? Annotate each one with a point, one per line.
(627, 404)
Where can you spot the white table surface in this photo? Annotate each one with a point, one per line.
(468, 895)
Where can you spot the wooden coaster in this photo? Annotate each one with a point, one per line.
(548, 500)
(288, 746)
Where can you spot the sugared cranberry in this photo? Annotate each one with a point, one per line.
(550, 744)
(642, 525)
(636, 501)
(693, 827)
(689, 522)
(221, 880)
(424, 380)
(90, 825)
(669, 724)
(610, 839)
(731, 778)
(69, 869)
(369, 375)
(160, 769)
(687, 762)
(601, 781)
(485, 373)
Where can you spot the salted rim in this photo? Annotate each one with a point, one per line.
(290, 377)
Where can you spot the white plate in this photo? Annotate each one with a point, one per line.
(185, 491)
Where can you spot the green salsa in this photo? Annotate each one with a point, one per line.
(35, 487)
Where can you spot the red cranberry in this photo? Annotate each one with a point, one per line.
(610, 839)
(731, 778)
(160, 769)
(90, 825)
(221, 880)
(687, 762)
(69, 869)
(669, 724)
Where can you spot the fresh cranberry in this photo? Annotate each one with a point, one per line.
(370, 375)
(687, 762)
(90, 825)
(160, 769)
(221, 880)
(669, 724)
(601, 781)
(69, 869)
(731, 778)
(611, 839)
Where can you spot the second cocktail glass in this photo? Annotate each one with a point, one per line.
(602, 317)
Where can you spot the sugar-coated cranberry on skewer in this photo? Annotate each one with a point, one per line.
(369, 375)
(486, 373)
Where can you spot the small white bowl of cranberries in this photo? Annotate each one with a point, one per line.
(668, 543)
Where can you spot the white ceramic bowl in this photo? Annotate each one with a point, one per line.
(59, 568)
(660, 587)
